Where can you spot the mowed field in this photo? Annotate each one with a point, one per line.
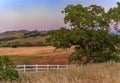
(37, 55)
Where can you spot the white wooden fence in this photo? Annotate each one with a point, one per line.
(37, 68)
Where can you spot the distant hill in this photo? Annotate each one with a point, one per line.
(23, 38)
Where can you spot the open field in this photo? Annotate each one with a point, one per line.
(37, 55)
(94, 73)
(26, 51)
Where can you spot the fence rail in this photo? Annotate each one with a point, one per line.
(37, 68)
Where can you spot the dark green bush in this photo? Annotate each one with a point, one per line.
(7, 69)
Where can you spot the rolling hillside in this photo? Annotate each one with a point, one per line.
(23, 38)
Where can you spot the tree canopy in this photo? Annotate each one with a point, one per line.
(93, 17)
(90, 34)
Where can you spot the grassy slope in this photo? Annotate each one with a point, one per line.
(37, 55)
(24, 59)
(36, 40)
(18, 34)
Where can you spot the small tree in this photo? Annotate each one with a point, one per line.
(7, 69)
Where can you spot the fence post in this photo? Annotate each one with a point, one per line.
(67, 66)
(58, 66)
(24, 67)
(36, 68)
(48, 67)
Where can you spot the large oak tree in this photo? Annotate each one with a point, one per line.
(89, 34)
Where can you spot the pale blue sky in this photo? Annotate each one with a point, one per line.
(39, 14)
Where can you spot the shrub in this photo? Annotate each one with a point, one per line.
(7, 69)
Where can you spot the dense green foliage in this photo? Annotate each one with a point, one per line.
(89, 34)
(92, 17)
(90, 45)
(7, 69)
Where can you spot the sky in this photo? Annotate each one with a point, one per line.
(39, 14)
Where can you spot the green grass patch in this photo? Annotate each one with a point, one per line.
(24, 59)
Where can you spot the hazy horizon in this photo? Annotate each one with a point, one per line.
(39, 14)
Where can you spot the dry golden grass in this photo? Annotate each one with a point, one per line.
(29, 51)
(96, 73)
(26, 51)
(37, 55)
